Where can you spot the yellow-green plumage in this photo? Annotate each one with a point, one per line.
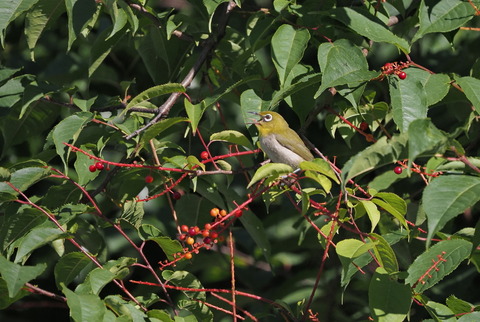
(279, 141)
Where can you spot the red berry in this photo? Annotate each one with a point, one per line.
(213, 235)
(92, 168)
(207, 240)
(204, 155)
(149, 179)
(208, 226)
(176, 195)
(184, 228)
(364, 126)
(192, 231)
(238, 213)
(402, 75)
(398, 170)
(387, 66)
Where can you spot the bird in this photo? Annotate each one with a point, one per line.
(279, 141)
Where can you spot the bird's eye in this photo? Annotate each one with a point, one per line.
(267, 117)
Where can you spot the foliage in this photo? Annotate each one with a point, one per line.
(131, 187)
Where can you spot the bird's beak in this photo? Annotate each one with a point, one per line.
(254, 121)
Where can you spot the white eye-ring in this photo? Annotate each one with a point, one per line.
(267, 117)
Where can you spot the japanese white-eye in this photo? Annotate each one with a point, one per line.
(279, 141)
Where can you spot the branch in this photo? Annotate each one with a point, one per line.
(209, 45)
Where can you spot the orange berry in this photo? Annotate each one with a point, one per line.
(205, 233)
(214, 212)
(188, 256)
(190, 241)
(208, 226)
(223, 212)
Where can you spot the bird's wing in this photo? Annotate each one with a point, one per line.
(292, 141)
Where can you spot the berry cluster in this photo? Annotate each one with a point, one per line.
(97, 166)
(395, 68)
(209, 234)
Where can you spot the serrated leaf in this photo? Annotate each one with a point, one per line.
(37, 237)
(324, 182)
(423, 136)
(69, 266)
(84, 307)
(9, 11)
(446, 197)
(43, 14)
(102, 46)
(380, 153)
(320, 166)
(388, 300)
(444, 16)
(471, 88)
(24, 178)
(393, 204)
(288, 47)
(15, 276)
(155, 130)
(409, 100)
(133, 212)
(372, 212)
(80, 14)
(194, 112)
(384, 253)
(67, 131)
(342, 63)
(169, 246)
(187, 280)
(368, 26)
(437, 262)
(153, 92)
(270, 170)
(233, 137)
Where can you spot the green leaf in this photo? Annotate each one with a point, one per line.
(270, 170)
(24, 178)
(368, 26)
(254, 226)
(320, 166)
(444, 16)
(133, 212)
(187, 280)
(471, 88)
(342, 63)
(372, 212)
(251, 102)
(67, 131)
(153, 92)
(102, 47)
(423, 136)
(288, 47)
(388, 300)
(233, 137)
(380, 153)
(384, 253)
(154, 130)
(9, 11)
(446, 197)
(324, 182)
(15, 276)
(458, 306)
(84, 307)
(194, 112)
(290, 89)
(36, 238)
(409, 100)
(437, 262)
(43, 14)
(393, 204)
(69, 267)
(436, 87)
(169, 246)
(80, 14)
